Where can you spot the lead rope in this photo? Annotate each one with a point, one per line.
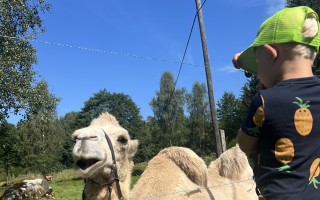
(114, 171)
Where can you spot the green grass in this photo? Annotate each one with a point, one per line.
(134, 179)
(67, 174)
(67, 184)
(67, 190)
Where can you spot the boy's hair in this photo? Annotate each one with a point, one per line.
(310, 30)
(295, 27)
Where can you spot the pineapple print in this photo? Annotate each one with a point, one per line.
(284, 153)
(258, 119)
(314, 172)
(303, 118)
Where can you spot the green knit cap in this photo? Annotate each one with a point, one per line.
(283, 27)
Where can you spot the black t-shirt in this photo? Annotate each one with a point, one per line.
(286, 119)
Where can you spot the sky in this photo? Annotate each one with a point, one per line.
(126, 46)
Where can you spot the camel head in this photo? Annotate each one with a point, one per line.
(92, 154)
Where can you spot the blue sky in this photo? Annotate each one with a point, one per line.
(137, 42)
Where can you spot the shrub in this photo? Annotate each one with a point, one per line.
(139, 168)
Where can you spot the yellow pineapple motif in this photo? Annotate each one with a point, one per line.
(303, 118)
(258, 117)
(314, 172)
(284, 153)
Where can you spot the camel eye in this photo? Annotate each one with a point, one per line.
(75, 139)
(122, 140)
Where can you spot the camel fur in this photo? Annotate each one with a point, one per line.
(230, 176)
(92, 155)
(178, 173)
(173, 170)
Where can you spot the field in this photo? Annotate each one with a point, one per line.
(66, 185)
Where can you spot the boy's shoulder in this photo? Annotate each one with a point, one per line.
(289, 89)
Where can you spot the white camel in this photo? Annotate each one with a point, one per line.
(175, 173)
(178, 173)
(92, 154)
(230, 176)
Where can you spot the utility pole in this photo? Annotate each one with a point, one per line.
(209, 80)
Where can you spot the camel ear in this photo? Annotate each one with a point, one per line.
(133, 146)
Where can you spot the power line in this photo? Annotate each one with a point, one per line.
(184, 54)
(230, 69)
(185, 50)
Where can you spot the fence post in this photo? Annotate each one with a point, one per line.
(223, 140)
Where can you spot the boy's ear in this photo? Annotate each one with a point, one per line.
(272, 50)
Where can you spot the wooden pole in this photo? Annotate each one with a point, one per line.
(209, 80)
(223, 140)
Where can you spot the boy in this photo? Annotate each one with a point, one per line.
(282, 129)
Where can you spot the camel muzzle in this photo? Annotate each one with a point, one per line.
(85, 164)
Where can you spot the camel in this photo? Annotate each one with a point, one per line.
(93, 157)
(230, 176)
(178, 173)
(175, 173)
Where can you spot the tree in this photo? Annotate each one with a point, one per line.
(42, 103)
(68, 123)
(250, 88)
(41, 136)
(118, 104)
(147, 147)
(169, 120)
(20, 20)
(123, 108)
(228, 111)
(8, 155)
(315, 5)
(199, 121)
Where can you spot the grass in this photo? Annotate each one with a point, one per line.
(67, 190)
(67, 184)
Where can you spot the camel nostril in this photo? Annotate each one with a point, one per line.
(84, 164)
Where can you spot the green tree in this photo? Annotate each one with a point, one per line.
(42, 103)
(250, 88)
(228, 111)
(68, 122)
(315, 5)
(19, 20)
(41, 136)
(199, 121)
(8, 155)
(147, 148)
(169, 120)
(124, 109)
(117, 104)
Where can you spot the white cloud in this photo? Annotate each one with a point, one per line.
(274, 6)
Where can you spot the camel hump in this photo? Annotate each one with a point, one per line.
(231, 164)
(105, 118)
(189, 162)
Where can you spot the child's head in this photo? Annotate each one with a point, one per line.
(309, 30)
(290, 34)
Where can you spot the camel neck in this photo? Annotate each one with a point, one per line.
(96, 191)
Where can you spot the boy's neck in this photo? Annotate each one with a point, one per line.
(299, 68)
